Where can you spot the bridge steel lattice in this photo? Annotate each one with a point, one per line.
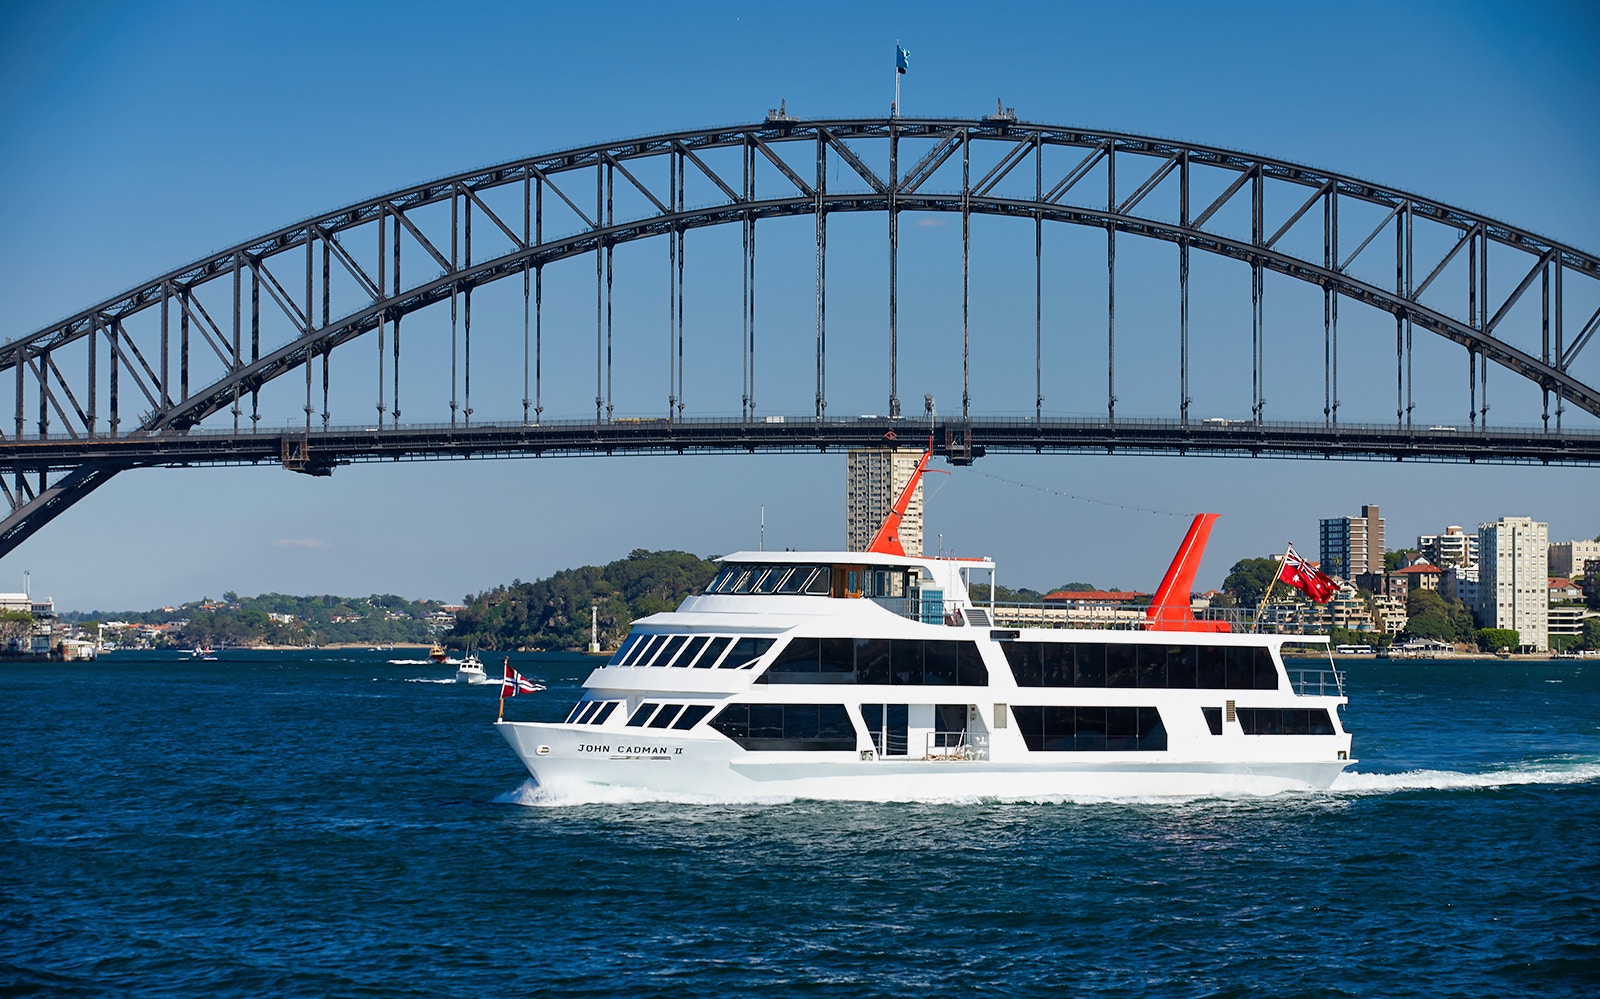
(287, 300)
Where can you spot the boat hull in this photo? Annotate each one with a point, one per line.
(568, 757)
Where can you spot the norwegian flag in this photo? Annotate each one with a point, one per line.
(515, 683)
(1307, 578)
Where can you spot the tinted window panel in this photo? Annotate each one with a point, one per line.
(1056, 664)
(1091, 658)
(1122, 729)
(1285, 721)
(665, 716)
(605, 712)
(642, 714)
(940, 665)
(1183, 666)
(797, 579)
(745, 651)
(799, 656)
(709, 657)
(779, 727)
(671, 648)
(691, 715)
(872, 660)
(971, 670)
(1213, 667)
(836, 656)
(905, 660)
(642, 650)
(772, 580)
(1122, 666)
(1213, 720)
(1152, 661)
(1025, 659)
(626, 647)
(693, 650)
(822, 582)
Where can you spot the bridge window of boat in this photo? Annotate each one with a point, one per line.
(1285, 721)
(1073, 729)
(907, 661)
(591, 712)
(780, 727)
(814, 580)
(1102, 664)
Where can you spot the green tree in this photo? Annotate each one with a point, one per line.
(1495, 639)
(1249, 579)
(1591, 633)
(1428, 616)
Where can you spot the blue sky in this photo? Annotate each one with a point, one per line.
(138, 137)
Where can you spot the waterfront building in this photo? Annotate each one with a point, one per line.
(35, 638)
(1351, 546)
(1567, 557)
(1513, 581)
(1455, 548)
(873, 481)
(1419, 577)
(1461, 584)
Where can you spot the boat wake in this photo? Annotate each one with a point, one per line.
(531, 794)
(1553, 772)
(415, 662)
(431, 679)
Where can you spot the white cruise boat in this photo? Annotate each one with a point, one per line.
(470, 670)
(874, 676)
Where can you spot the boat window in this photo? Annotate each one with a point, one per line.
(714, 652)
(746, 651)
(693, 650)
(691, 716)
(741, 582)
(821, 582)
(773, 579)
(605, 712)
(642, 714)
(726, 578)
(588, 709)
(625, 648)
(1285, 721)
(668, 650)
(1090, 729)
(665, 716)
(903, 661)
(573, 714)
(1126, 664)
(787, 727)
(797, 580)
(1213, 719)
(642, 650)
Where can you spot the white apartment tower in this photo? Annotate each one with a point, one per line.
(1513, 580)
(1454, 549)
(873, 482)
(1351, 546)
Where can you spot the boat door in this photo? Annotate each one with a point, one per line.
(889, 727)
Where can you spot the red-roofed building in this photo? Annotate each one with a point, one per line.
(1421, 576)
(1095, 598)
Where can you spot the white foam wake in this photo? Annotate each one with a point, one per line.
(1542, 772)
(531, 794)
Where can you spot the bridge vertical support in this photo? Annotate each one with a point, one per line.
(673, 162)
(113, 349)
(1258, 374)
(599, 290)
(1111, 284)
(822, 278)
(527, 231)
(395, 395)
(238, 309)
(466, 314)
(311, 353)
(183, 344)
(1183, 289)
(163, 397)
(1333, 300)
(383, 293)
(1483, 326)
(326, 319)
(611, 182)
(966, 252)
(1557, 357)
(1038, 280)
(538, 305)
(1544, 336)
(94, 381)
(678, 280)
(455, 288)
(255, 339)
(894, 265)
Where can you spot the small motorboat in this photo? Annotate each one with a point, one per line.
(437, 654)
(471, 670)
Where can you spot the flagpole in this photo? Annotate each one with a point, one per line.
(1255, 626)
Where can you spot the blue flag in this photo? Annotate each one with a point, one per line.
(902, 59)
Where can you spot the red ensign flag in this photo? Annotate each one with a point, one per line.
(1307, 578)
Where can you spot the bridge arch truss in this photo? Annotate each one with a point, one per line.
(199, 343)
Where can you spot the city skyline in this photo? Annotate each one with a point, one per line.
(330, 130)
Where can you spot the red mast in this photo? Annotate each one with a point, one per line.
(887, 540)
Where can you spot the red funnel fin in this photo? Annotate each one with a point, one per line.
(887, 540)
(1169, 610)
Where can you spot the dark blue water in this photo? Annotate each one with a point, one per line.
(285, 825)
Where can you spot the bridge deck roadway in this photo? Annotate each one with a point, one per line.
(318, 451)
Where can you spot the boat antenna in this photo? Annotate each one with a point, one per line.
(763, 541)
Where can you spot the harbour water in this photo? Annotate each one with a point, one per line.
(329, 824)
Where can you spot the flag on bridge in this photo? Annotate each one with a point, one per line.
(902, 59)
(1307, 578)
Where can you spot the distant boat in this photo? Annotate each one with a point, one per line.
(204, 652)
(437, 654)
(471, 670)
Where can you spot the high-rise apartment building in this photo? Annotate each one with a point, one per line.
(1513, 579)
(874, 479)
(1454, 549)
(1351, 546)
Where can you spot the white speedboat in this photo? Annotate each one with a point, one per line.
(470, 670)
(875, 676)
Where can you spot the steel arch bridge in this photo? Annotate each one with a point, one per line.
(281, 303)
